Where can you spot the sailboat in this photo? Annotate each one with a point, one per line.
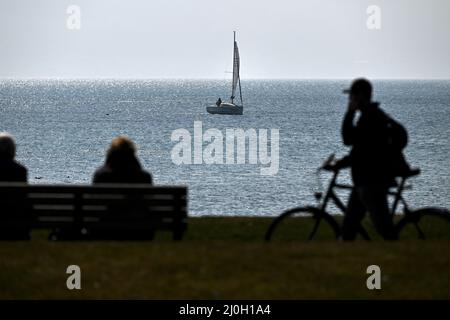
(231, 107)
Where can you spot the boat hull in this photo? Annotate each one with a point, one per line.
(225, 108)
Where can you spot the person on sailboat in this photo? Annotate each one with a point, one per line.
(219, 102)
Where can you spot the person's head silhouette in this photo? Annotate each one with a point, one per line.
(360, 94)
(7, 146)
(121, 152)
(122, 164)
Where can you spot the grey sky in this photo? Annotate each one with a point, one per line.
(193, 39)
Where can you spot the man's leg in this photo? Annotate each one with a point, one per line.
(375, 200)
(353, 216)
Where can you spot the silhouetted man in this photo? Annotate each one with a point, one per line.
(369, 162)
(11, 205)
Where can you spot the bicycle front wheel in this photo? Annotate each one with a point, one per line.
(303, 223)
(425, 223)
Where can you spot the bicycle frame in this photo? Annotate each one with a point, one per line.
(331, 195)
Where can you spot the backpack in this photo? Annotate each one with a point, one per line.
(397, 141)
(397, 134)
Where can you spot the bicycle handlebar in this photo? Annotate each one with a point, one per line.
(333, 165)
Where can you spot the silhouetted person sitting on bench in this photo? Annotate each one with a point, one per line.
(121, 165)
(10, 170)
(12, 205)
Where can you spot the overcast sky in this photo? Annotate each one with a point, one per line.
(193, 39)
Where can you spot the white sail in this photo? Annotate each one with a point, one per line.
(236, 63)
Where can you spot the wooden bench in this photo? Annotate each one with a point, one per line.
(103, 211)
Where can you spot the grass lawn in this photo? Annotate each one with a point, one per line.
(226, 258)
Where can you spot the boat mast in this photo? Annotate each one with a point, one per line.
(234, 52)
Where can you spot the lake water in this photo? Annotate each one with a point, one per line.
(63, 128)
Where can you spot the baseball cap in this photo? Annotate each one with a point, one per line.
(360, 85)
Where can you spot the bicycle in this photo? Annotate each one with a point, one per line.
(316, 214)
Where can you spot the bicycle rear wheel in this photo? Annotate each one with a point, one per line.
(303, 223)
(425, 223)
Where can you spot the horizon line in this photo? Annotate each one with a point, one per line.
(214, 79)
